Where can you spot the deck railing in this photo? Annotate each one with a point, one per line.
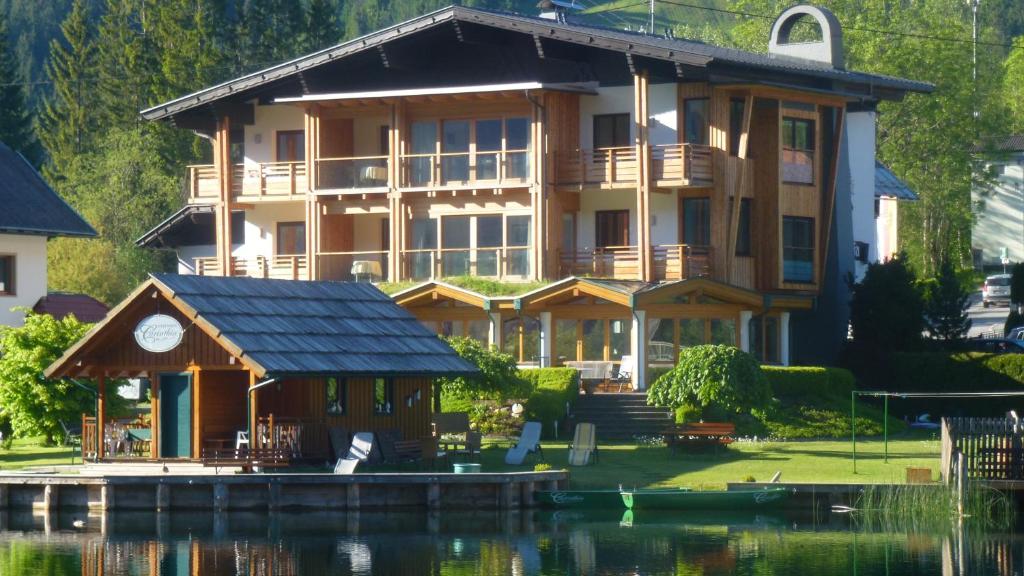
(671, 262)
(461, 169)
(671, 165)
(302, 437)
(681, 164)
(249, 181)
(680, 261)
(502, 262)
(281, 267)
(354, 174)
(118, 439)
(367, 265)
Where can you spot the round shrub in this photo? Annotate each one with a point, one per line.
(714, 375)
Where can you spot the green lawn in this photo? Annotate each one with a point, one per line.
(30, 452)
(799, 461)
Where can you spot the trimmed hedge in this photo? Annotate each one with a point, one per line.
(551, 388)
(545, 390)
(956, 372)
(791, 381)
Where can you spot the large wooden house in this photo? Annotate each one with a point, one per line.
(674, 192)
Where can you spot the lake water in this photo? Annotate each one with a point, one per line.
(457, 543)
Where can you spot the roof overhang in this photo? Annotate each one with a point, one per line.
(578, 88)
(568, 289)
(429, 292)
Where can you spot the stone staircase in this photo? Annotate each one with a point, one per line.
(621, 416)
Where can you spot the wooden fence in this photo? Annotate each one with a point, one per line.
(991, 447)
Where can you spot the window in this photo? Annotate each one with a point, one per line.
(797, 249)
(723, 331)
(385, 140)
(455, 146)
(520, 337)
(611, 130)
(743, 234)
(291, 145)
(455, 245)
(695, 121)
(764, 338)
(736, 107)
(237, 144)
(696, 221)
(423, 243)
(518, 242)
(336, 390)
(797, 150)
(383, 396)
(568, 232)
(488, 244)
(291, 238)
(488, 149)
(517, 144)
(422, 145)
(7, 276)
(612, 228)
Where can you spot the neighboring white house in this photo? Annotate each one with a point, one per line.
(999, 207)
(30, 213)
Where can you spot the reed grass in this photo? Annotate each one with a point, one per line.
(932, 507)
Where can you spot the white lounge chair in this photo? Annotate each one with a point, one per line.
(346, 465)
(625, 374)
(361, 448)
(529, 441)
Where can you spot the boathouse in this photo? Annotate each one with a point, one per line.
(279, 362)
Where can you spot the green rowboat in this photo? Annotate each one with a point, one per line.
(710, 500)
(595, 499)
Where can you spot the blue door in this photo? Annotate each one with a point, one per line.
(175, 415)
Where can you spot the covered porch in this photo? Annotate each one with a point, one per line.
(243, 364)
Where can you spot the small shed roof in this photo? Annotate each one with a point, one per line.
(60, 304)
(30, 206)
(889, 185)
(284, 328)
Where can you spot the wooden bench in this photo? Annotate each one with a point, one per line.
(408, 451)
(247, 459)
(700, 435)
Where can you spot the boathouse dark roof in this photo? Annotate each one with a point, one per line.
(282, 328)
(30, 206)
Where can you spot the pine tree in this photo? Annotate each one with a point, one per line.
(321, 25)
(68, 121)
(126, 63)
(186, 36)
(15, 121)
(946, 310)
(272, 31)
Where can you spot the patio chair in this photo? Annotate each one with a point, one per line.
(72, 438)
(625, 373)
(431, 453)
(362, 446)
(529, 441)
(584, 443)
(474, 442)
(346, 465)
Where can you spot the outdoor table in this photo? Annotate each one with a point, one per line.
(137, 437)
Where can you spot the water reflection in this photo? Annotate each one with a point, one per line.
(456, 544)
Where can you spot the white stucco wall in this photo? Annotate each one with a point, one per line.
(662, 103)
(664, 218)
(860, 142)
(29, 275)
(603, 200)
(260, 138)
(187, 256)
(999, 214)
(261, 227)
(614, 100)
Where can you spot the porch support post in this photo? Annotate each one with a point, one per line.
(494, 333)
(253, 405)
(537, 192)
(638, 349)
(643, 182)
(784, 338)
(545, 339)
(154, 414)
(745, 316)
(101, 415)
(396, 228)
(312, 136)
(197, 413)
(222, 165)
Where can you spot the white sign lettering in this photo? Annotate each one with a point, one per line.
(158, 333)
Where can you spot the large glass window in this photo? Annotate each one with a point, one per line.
(797, 150)
(488, 244)
(517, 145)
(695, 121)
(518, 243)
(697, 221)
(423, 146)
(797, 249)
(488, 148)
(423, 244)
(520, 337)
(455, 150)
(7, 276)
(291, 146)
(723, 331)
(479, 330)
(612, 228)
(455, 245)
(764, 338)
(611, 130)
(618, 338)
(565, 340)
(691, 332)
(593, 340)
(291, 238)
(336, 390)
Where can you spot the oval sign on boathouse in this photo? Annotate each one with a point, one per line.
(158, 333)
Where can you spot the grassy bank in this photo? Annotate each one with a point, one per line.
(31, 452)
(799, 461)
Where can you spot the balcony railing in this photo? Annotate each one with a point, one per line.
(671, 165)
(464, 169)
(270, 180)
(503, 262)
(279, 267)
(369, 265)
(352, 174)
(671, 262)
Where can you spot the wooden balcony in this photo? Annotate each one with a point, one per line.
(357, 175)
(497, 169)
(278, 267)
(672, 165)
(671, 262)
(510, 263)
(250, 182)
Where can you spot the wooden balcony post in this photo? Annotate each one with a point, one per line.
(643, 180)
(537, 193)
(396, 220)
(154, 413)
(101, 415)
(222, 166)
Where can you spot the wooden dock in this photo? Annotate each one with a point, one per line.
(290, 491)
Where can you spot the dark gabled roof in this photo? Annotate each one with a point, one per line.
(292, 327)
(29, 206)
(60, 304)
(678, 51)
(193, 225)
(888, 184)
(1012, 143)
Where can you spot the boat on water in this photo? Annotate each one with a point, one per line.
(610, 499)
(709, 500)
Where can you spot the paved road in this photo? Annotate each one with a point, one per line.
(986, 319)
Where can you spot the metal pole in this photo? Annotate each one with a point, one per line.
(885, 428)
(853, 427)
